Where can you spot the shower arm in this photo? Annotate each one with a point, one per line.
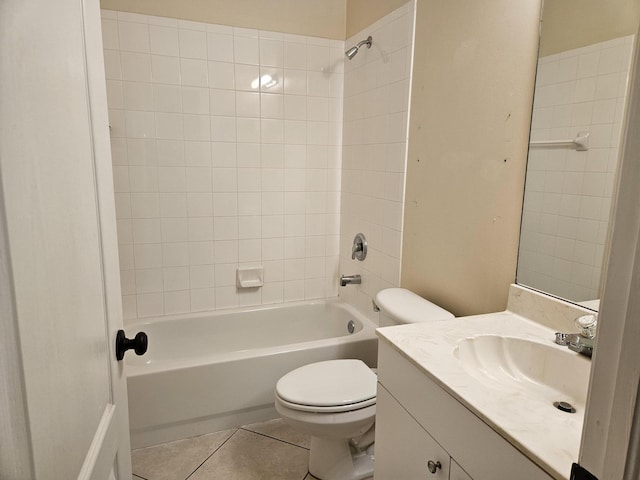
(366, 41)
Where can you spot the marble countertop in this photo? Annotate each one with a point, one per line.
(547, 436)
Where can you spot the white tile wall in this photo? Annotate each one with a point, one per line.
(376, 111)
(227, 152)
(568, 193)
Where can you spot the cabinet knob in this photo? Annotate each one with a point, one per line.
(433, 466)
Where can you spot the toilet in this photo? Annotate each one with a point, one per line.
(335, 401)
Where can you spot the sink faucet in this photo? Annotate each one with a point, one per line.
(350, 279)
(581, 342)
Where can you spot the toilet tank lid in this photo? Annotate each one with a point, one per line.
(405, 306)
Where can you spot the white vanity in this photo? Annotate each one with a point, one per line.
(474, 397)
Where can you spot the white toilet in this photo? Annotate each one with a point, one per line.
(335, 401)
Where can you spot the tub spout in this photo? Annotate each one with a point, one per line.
(350, 279)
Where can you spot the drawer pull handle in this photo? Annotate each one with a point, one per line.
(433, 466)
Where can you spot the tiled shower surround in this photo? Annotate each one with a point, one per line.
(227, 152)
(226, 146)
(568, 192)
(376, 112)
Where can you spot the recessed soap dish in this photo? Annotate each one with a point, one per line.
(249, 277)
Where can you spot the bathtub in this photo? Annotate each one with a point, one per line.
(207, 372)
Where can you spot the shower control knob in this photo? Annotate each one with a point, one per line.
(433, 466)
(139, 343)
(359, 247)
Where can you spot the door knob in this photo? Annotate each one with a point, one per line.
(139, 343)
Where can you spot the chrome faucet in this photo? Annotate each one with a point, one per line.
(350, 279)
(359, 247)
(581, 342)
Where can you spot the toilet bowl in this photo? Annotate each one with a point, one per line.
(335, 401)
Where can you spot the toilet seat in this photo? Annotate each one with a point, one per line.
(332, 409)
(332, 386)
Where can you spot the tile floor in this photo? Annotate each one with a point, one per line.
(261, 451)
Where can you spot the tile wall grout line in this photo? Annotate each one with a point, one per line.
(184, 156)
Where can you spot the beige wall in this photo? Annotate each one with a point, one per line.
(361, 13)
(469, 126)
(568, 24)
(316, 18)
(338, 19)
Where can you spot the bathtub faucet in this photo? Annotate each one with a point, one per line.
(350, 279)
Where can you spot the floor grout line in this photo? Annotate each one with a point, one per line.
(212, 454)
(274, 438)
(247, 430)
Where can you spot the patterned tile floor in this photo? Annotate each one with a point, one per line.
(261, 451)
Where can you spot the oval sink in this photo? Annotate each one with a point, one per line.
(536, 369)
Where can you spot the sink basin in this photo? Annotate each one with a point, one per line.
(542, 371)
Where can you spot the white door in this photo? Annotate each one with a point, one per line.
(63, 410)
(609, 447)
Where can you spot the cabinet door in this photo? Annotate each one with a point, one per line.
(457, 473)
(403, 447)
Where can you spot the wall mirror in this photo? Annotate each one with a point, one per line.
(580, 98)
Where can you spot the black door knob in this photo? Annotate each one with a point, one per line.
(139, 343)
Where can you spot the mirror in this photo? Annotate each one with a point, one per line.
(579, 103)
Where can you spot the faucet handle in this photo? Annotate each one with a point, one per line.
(587, 325)
(359, 248)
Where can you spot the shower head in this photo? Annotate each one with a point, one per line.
(353, 50)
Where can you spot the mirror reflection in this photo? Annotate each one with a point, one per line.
(579, 103)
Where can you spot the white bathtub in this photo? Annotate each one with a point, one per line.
(207, 372)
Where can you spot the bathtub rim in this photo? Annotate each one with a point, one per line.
(367, 331)
(252, 308)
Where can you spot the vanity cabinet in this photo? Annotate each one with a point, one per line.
(417, 420)
(404, 449)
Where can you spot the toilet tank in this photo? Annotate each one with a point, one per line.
(399, 306)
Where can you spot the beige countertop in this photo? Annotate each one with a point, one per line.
(516, 408)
